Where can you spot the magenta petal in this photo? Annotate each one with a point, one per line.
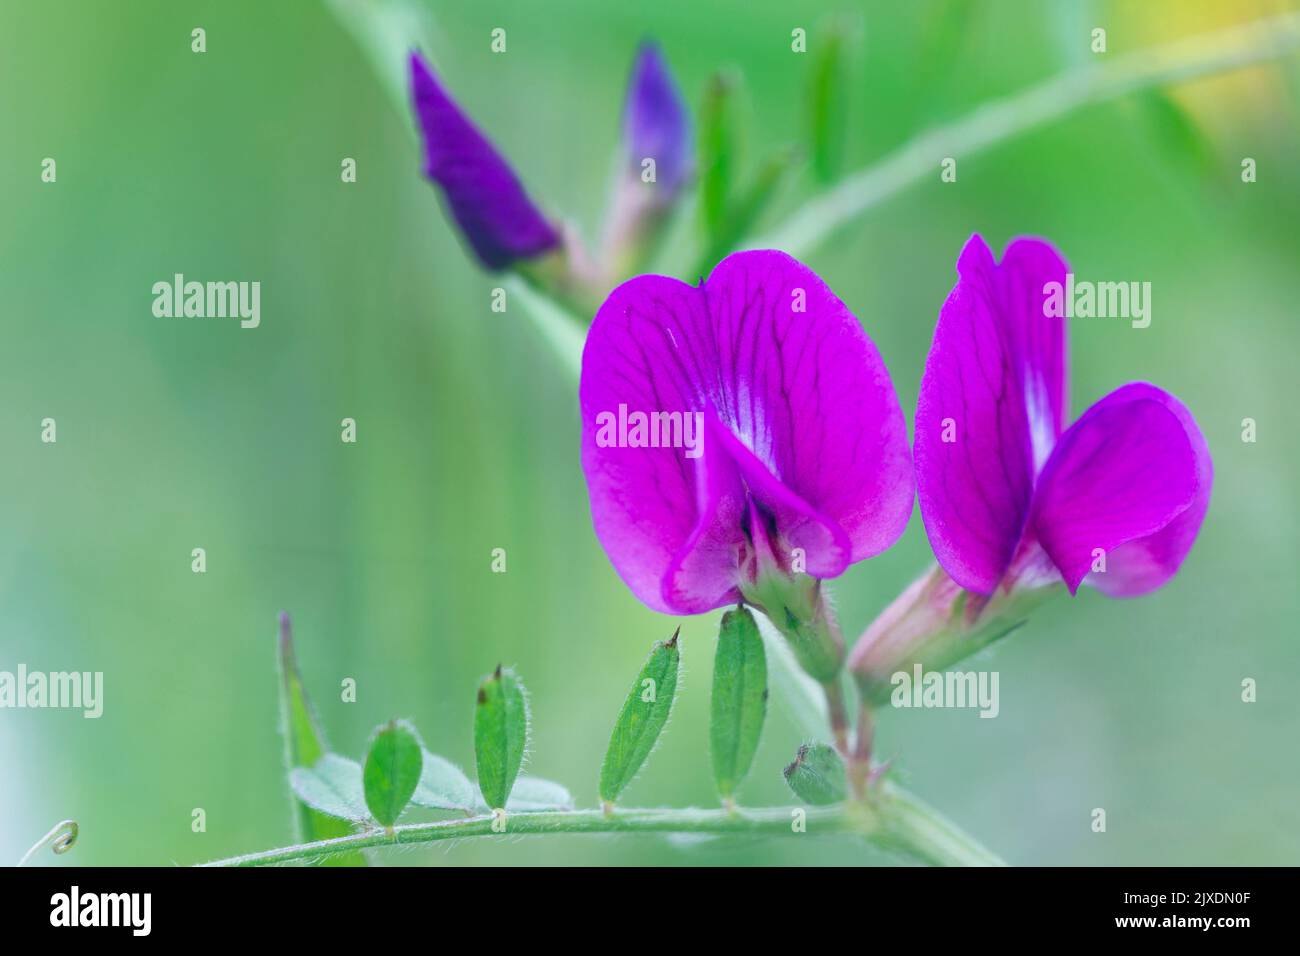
(826, 546)
(799, 412)
(974, 455)
(1146, 564)
(809, 395)
(1038, 339)
(494, 213)
(702, 575)
(644, 504)
(1131, 477)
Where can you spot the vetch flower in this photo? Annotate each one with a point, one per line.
(486, 199)
(803, 468)
(1014, 501)
(1124, 488)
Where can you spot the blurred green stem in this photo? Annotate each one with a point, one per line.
(892, 819)
(558, 326)
(838, 713)
(911, 827)
(999, 120)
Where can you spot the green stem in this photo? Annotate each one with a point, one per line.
(892, 819)
(558, 326)
(911, 827)
(999, 120)
(838, 714)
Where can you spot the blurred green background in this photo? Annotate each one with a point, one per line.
(175, 433)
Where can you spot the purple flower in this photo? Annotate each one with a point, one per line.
(1008, 493)
(736, 430)
(495, 214)
(655, 123)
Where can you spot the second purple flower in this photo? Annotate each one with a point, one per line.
(1010, 495)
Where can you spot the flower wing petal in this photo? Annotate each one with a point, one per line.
(702, 575)
(1131, 477)
(1038, 339)
(825, 545)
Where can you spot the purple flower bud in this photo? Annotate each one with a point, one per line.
(656, 125)
(487, 201)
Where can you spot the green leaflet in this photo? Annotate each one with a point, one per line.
(739, 701)
(333, 786)
(443, 786)
(1176, 133)
(392, 772)
(943, 45)
(533, 794)
(644, 714)
(817, 775)
(719, 149)
(304, 745)
(748, 205)
(827, 108)
(500, 735)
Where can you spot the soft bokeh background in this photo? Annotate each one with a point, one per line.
(175, 434)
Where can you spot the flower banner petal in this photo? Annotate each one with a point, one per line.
(799, 414)
(974, 454)
(1028, 267)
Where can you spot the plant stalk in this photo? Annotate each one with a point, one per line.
(891, 819)
(999, 120)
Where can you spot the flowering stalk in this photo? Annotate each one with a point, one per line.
(676, 548)
(1019, 504)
